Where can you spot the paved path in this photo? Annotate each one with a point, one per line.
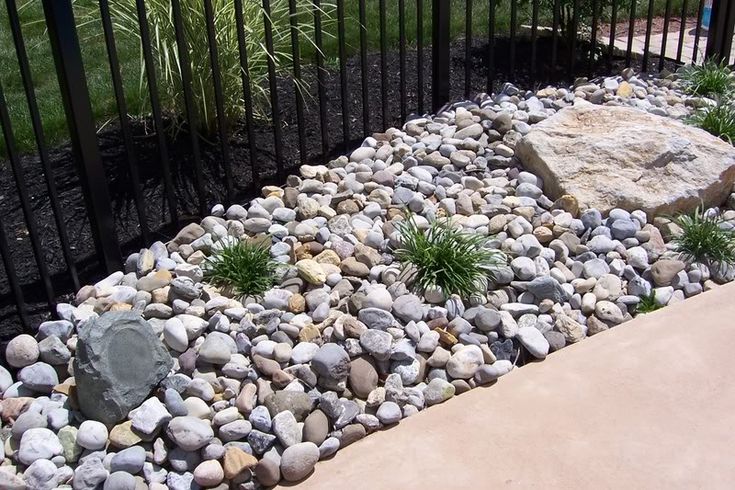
(647, 405)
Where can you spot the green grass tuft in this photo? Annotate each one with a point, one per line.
(710, 79)
(648, 304)
(447, 257)
(241, 268)
(704, 239)
(718, 120)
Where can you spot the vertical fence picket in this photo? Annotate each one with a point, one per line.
(631, 30)
(573, 37)
(647, 43)
(222, 126)
(343, 73)
(383, 67)
(513, 24)
(664, 39)
(593, 36)
(468, 48)
(364, 70)
(296, 61)
(491, 46)
(246, 92)
(698, 31)
(420, 54)
(534, 38)
(150, 74)
(189, 107)
(320, 72)
(402, 57)
(682, 31)
(440, 23)
(613, 28)
(25, 204)
(38, 133)
(273, 90)
(555, 34)
(62, 32)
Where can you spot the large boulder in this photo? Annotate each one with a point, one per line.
(119, 360)
(610, 157)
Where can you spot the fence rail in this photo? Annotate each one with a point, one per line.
(316, 106)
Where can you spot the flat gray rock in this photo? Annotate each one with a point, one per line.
(119, 360)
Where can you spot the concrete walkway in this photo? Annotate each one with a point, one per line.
(649, 404)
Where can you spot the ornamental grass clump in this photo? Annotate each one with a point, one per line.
(171, 71)
(718, 120)
(710, 79)
(241, 268)
(704, 239)
(444, 256)
(648, 304)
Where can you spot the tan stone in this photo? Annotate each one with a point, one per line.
(610, 157)
(328, 257)
(572, 331)
(122, 435)
(309, 333)
(446, 338)
(311, 272)
(625, 89)
(236, 461)
(296, 303)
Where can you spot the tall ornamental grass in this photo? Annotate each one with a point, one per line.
(169, 65)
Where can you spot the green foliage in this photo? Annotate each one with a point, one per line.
(444, 256)
(648, 304)
(242, 268)
(169, 65)
(703, 239)
(718, 120)
(710, 79)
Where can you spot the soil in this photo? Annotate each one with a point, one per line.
(182, 168)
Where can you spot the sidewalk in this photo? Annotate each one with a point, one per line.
(648, 404)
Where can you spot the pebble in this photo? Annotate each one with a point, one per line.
(298, 461)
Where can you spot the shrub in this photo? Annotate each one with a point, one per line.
(648, 304)
(703, 239)
(718, 120)
(709, 79)
(444, 256)
(166, 57)
(242, 268)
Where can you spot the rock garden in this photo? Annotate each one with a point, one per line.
(435, 258)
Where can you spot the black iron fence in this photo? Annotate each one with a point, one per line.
(68, 211)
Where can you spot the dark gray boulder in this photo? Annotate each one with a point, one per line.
(119, 360)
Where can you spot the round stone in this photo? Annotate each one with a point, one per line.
(22, 351)
(363, 377)
(465, 362)
(92, 435)
(389, 413)
(38, 443)
(209, 473)
(189, 433)
(298, 461)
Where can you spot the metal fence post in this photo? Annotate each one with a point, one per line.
(721, 26)
(78, 108)
(440, 13)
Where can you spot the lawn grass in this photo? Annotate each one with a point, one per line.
(98, 73)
